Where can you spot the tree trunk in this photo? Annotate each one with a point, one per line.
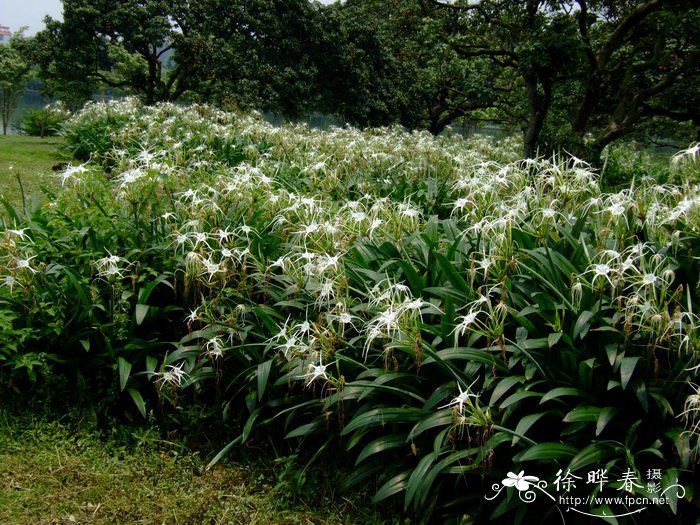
(5, 114)
(587, 105)
(538, 105)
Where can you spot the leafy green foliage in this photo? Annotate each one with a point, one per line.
(482, 316)
(44, 122)
(14, 72)
(580, 75)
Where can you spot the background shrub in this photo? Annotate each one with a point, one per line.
(46, 121)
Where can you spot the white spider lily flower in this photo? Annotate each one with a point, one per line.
(344, 318)
(214, 348)
(302, 328)
(376, 223)
(193, 316)
(327, 262)
(549, 213)
(224, 234)
(172, 376)
(211, 268)
(110, 266)
(316, 372)
(200, 238)
(358, 216)
(603, 270)
(466, 321)
(308, 229)
(180, 238)
(462, 398)
(17, 233)
(190, 195)
(408, 211)
(129, 177)
(69, 174)
(23, 264)
(9, 281)
(247, 230)
(280, 262)
(289, 345)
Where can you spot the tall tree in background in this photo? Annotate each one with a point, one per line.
(642, 61)
(120, 44)
(249, 53)
(384, 62)
(256, 53)
(583, 72)
(14, 73)
(361, 79)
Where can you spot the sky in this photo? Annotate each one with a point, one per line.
(18, 13)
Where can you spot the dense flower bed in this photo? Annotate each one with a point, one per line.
(439, 311)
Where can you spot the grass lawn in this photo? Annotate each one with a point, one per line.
(32, 159)
(52, 473)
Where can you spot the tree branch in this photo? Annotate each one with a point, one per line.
(639, 13)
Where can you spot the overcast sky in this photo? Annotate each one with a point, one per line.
(18, 13)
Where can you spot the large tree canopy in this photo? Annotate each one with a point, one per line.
(14, 72)
(120, 44)
(245, 52)
(256, 53)
(583, 72)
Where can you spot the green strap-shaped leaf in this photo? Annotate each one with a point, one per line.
(124, 372)
(263, 374)
(606, 415)
(595, 454)
(503, 386)
(544, 451)
(248, 427)
(416, 485)
(138, 400)
(304, 430)
(627, 365)
(559, 392)
(381, 444)
(440, 418)
(414, 279)
(451, 274)
(583, 324)
(140, 313)
(582, 413)
(223, 452)
(525, 423)
(467, 354)
(518, 396)
(393, 486)
(383, 416)
(553, 338)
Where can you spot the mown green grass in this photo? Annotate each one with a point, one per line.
(55, 473)
(31, 159)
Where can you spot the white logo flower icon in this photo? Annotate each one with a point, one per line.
(519, 481)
